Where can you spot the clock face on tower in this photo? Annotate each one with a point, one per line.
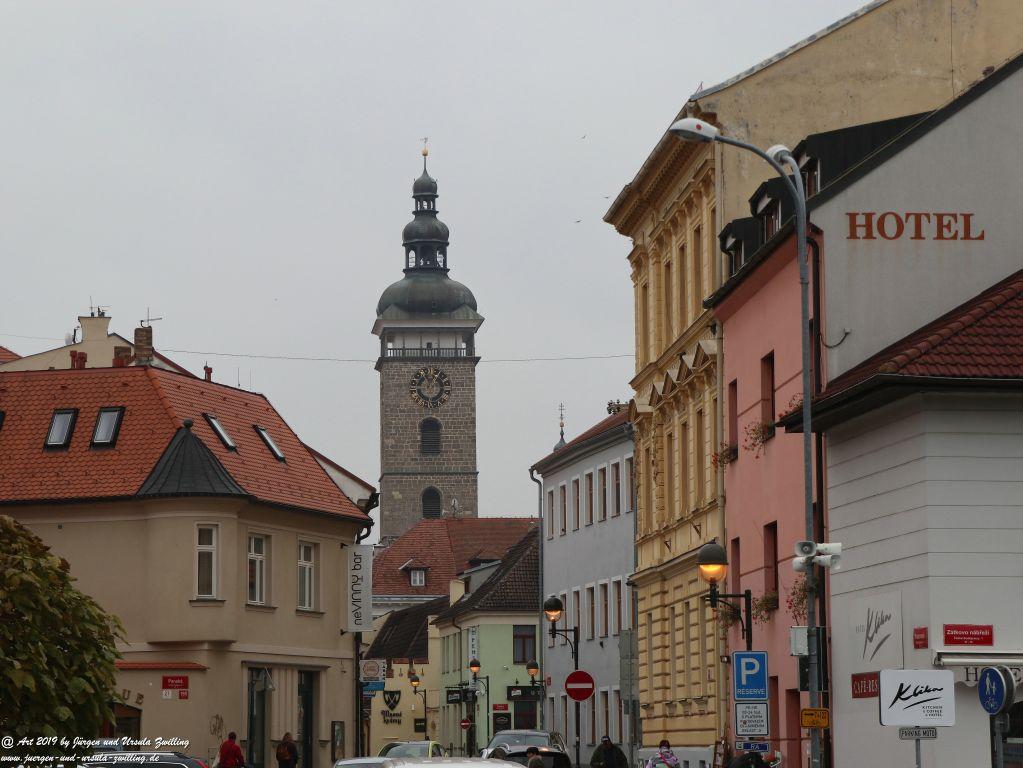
(430, 388)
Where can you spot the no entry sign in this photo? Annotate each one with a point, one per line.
(579, 685)
(465, 723)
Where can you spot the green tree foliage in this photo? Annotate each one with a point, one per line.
(57, 645)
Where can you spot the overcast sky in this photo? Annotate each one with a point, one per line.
(244, 169)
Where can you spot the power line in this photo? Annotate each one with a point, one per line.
(306, 358)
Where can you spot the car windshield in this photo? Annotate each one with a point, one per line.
(528, 739)
(415, 749)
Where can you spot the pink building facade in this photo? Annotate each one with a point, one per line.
(763, 472)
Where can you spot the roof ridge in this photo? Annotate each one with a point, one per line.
(164, 401)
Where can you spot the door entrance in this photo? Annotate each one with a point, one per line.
(259, 684)
(306, 719)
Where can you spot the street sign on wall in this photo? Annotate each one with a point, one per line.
(753, 746)
(920, 697)
(749, 676)
(969, 634)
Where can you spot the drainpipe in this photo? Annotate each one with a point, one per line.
(719, 334)
(539, 612)
(363, 534)
(633, 688)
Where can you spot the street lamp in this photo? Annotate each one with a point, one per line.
(554, 608)
(713, 565)
(532, 669)
(475, 667)
(693, 129)
(414, 681)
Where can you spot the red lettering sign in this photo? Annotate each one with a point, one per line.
(911, 225)
(175, 682)
(866, 685)
(500, 707)
(969, 634)
(919, 637)
(183, 693)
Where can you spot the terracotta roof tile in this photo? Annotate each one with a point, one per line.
(514, 586)
(156, 403)
(450, 545)
(982, 338)
(405, 633)
(7, 355)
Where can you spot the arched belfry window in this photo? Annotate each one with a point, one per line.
(431, 503)
(429, 437)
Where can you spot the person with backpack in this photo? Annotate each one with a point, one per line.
(287, 752)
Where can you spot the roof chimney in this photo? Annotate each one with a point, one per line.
(144, 345)
(82, 357)
(94, 328)
(208, 370)
(456, 589)
(121, 356)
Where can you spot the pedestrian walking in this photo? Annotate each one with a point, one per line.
(608, 755)
(230, 755)
(664, 757)
(287, 752)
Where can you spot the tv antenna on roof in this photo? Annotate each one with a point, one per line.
(96, 310)
(148, 320)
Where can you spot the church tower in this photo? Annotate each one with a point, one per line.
(427, 325)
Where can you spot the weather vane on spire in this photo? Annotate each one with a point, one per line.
(561, 426)
(426, 149)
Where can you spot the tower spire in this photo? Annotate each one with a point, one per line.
(425, 237)
(561, 426)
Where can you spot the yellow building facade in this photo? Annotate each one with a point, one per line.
(891, 58)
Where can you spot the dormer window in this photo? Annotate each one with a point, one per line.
(417, 577)
(108, 425)
(771, 216)
(61, 428)
(277, 452)
(811, 172)
(734, 249)
(219, 430)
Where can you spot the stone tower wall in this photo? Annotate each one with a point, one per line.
(404, 472)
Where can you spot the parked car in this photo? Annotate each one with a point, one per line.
(412, 749)
(365, 762)
(525, 738)
(124, 759)
(552, 757)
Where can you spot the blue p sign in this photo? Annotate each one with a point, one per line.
(749, 676)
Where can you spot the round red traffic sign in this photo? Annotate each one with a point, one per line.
(466, 723)
(579, 685)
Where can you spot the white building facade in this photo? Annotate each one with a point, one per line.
(923, 416)
(588, 556)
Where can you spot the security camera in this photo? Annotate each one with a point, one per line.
(778, 152)
(806, 549)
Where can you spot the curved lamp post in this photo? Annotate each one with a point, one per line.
(475, 667)
(554, 609)
(778, 157)
(713, 565)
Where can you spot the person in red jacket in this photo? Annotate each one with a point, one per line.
(230, 753)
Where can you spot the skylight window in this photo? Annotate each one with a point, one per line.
(108, 424)
(277, 452)
(2, 415)
(61, 428)
(221, 432)
(417, 577)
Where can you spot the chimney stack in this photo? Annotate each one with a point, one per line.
(121, 356)
(144, 345)
(208, 370)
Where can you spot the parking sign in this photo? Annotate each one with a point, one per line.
(749, 676)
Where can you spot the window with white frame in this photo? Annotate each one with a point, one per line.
(206, 561)
(306, 575)
(257, 570)
(417, 577)
(616, 597)
(591, 616)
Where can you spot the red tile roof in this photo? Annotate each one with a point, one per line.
(7, 355)
(602, 426)
(450, 545)
(980, 339)
(156, 403)
(513, 586)
(170, 665)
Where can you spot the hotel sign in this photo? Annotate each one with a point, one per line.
(912, 225)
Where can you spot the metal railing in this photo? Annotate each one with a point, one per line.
(427, 352)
